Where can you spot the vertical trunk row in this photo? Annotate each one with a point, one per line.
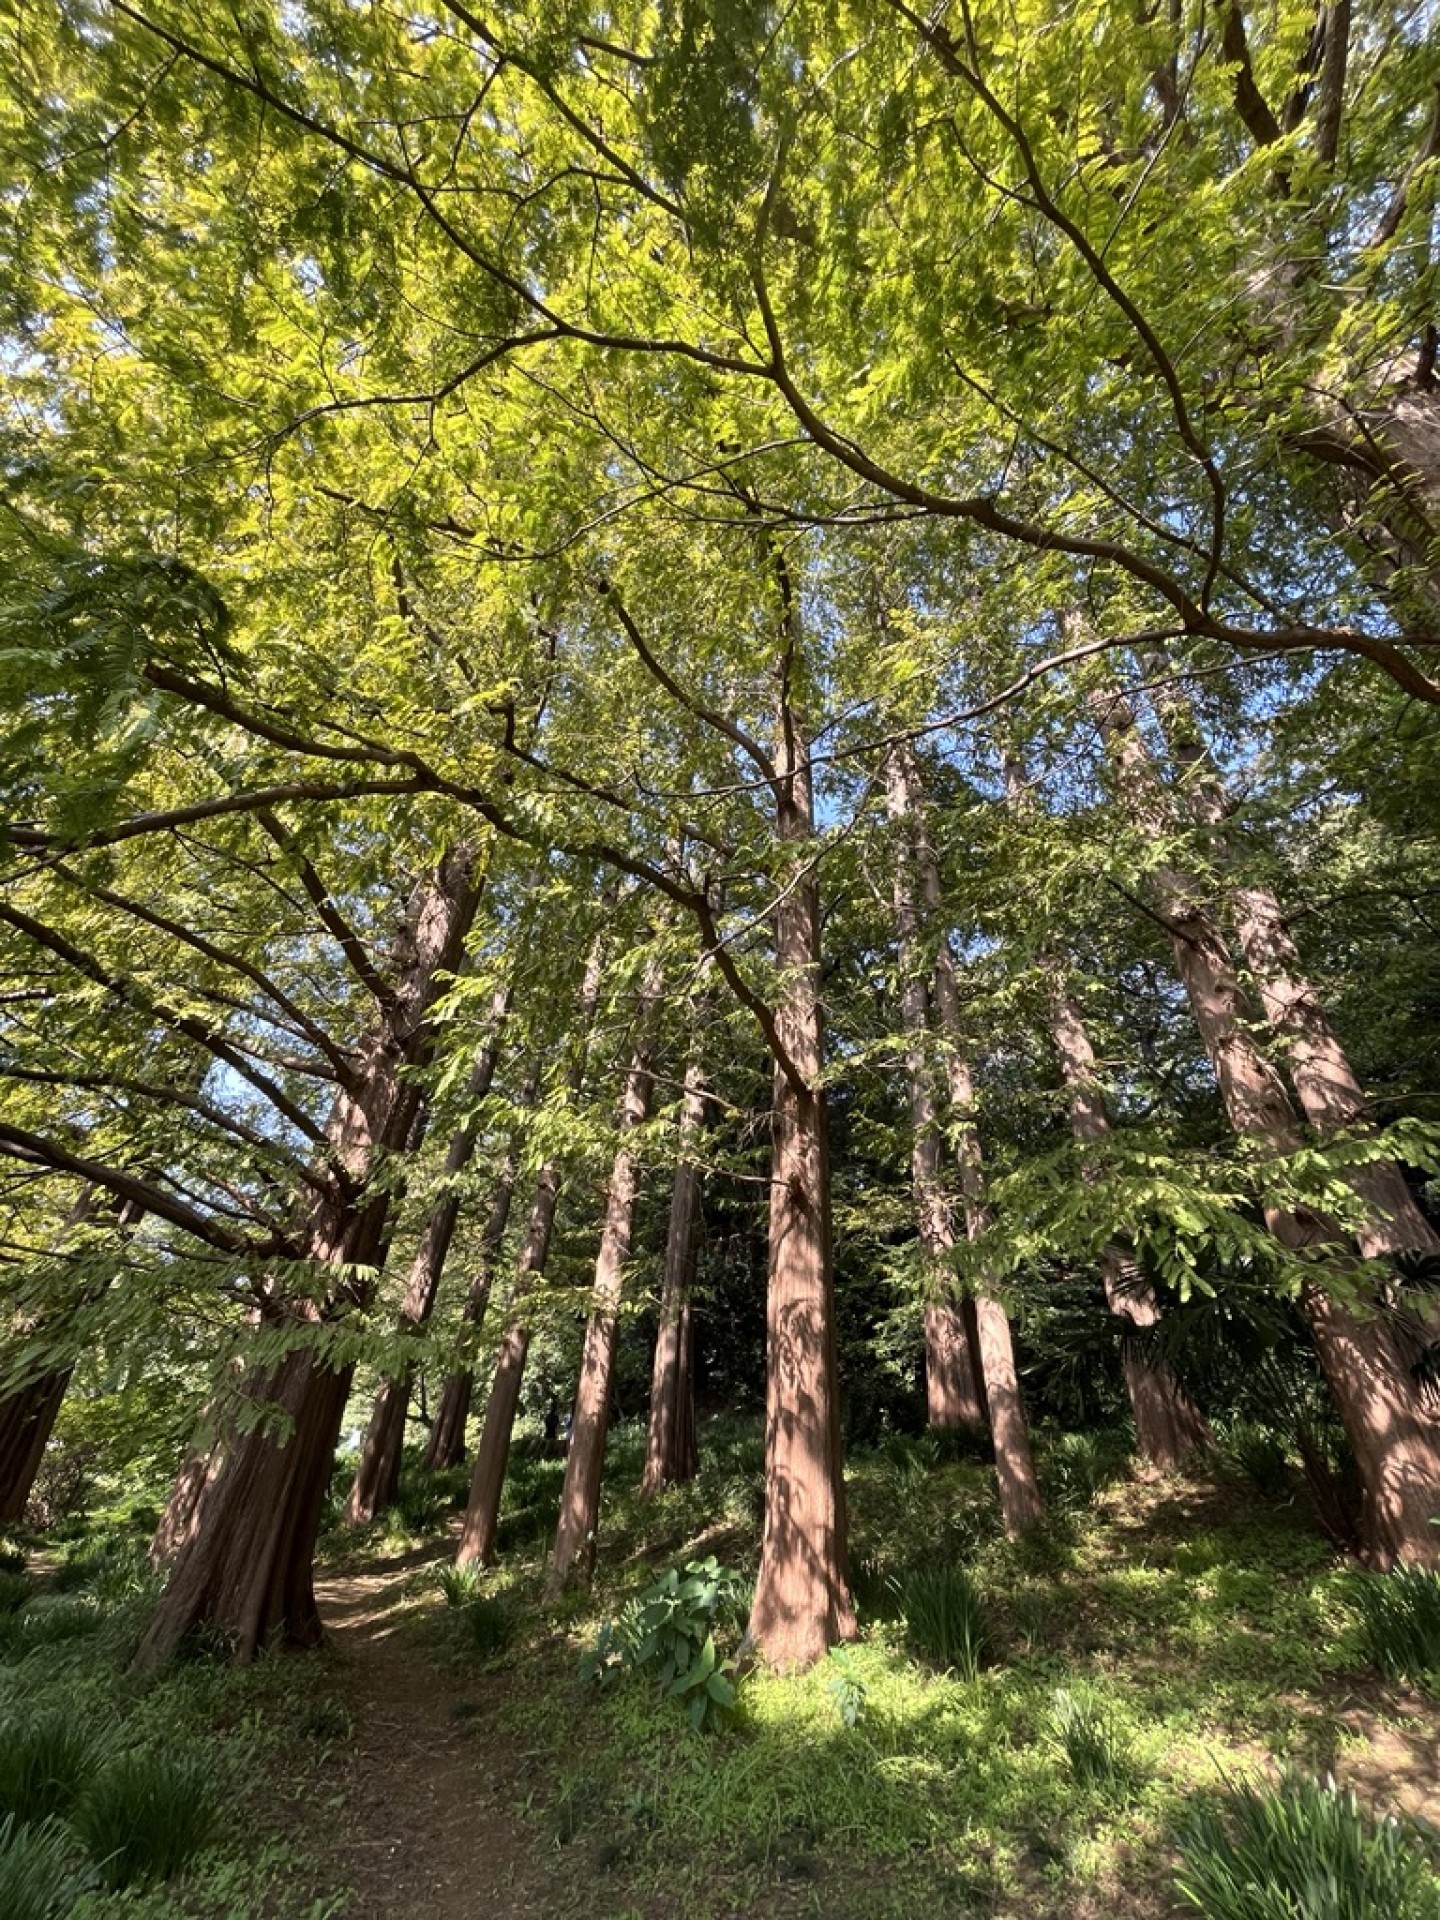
(574, 1552)
(244, 1567)
(377, 1473)
(492, 1459)
(1020, 1500)
(1395, 1448)
(671, 1455)
(1168, 1425)
(802, 1604)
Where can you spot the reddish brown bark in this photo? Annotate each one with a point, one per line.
(671, 1454)
(243, 1568)
(377, 1473)
(1395, 1446)
(1020, 1500)
(27, 1419)
(1168, 1425)
(492, 1458)
(802, 1604)
(573, 1557)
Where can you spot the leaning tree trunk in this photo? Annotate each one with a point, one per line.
(244, 1568)
(953, 1395)
(1395, 1446)
(802, 1603)
(27, 1419)
(574, 1552)
(446, 1446)
(377, 1473)
(492, 1458)
(1020, 1500)
(671, 1456)
(1168, 1425)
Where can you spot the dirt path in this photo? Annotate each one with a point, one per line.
(425, 1826)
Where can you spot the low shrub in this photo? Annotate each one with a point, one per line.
(145, 1816)
(460, 1585)
(1400, 1622)
(1303, 1851)
(45, 1760)
(945, 1619)
(668, 1631)
(41, 1877)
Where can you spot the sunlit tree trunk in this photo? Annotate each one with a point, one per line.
(492, 1458)
(574, 1552)
(1394, 1445)
(377, 1473)
(244, 1567)
(802, 1602)
(1020, 1500)
(671, 1454)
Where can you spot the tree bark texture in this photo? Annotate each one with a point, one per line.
(377, 1472)
(243, 1568)
(671, 1454)
(1168, 1425)
(1394, 1444)
(487, 1484)
(802, 1604)
(1020, 1500)
(573, 1557)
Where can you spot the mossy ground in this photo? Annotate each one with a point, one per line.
(1206, 1626)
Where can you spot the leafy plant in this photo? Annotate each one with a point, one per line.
(1093, 1744)
(40, 1876)
(45, 1760)
(1080, 1466)
(669, 1631)
(1303, 1851)
(145, 1816)
(460, 1585)
(14, 1590)
(945, 1619)
(489, 1624)
(846, 1688)
(1400, 1621)
(1258, 1454)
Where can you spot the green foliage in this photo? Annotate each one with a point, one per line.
(460, 1584)
(1258, 1454)
(40, 1877)
(946, 1619)
(846, 1688)
(668, 1633)
(146, 1815)
(1400, 1622)
(1092, 1741)
(15, 1590)
(1304, 1850)
(45, 1760)
(489, 1624)
(1079, 1466)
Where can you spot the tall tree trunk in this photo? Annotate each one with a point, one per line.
(377, 1473)
(1020, 1500)
(1168, 1424)
(243, 1568)
(446, 1446)
(802, 1604)
(574, 1552)
(492, 1459)
(1395, 1447)
(671, 1456)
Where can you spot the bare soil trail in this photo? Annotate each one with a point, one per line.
(423, 1824)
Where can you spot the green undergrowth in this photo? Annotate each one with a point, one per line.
(1036, 1751)
(129, 1794)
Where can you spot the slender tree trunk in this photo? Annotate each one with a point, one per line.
(446, 1446)
(377, 1473)
(574, 1553)
(27, 1419)
(487, 1485)
(1394, 1445)
(802, 1604)
(1168, 1425)
(243, 1567)
(953, 1394)
(1020, 1500)
(671, 1456)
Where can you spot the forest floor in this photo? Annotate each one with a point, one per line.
(447, 1759)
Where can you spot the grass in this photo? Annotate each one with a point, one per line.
(1303, 1851)
(1088, 1734)
(45, 1760)
(41, 1875)
(945, 1620)
(145, 1816)
(1400, 1623)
